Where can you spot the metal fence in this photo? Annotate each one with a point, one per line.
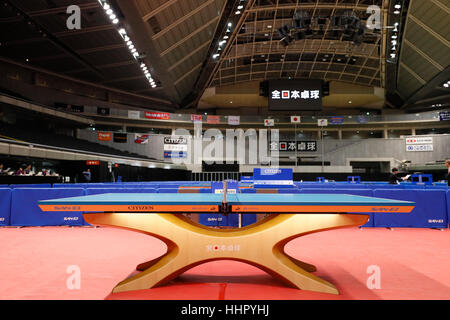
(215, 176)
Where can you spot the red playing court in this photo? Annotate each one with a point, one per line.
(414, 264)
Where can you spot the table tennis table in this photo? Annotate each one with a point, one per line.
(261, 244)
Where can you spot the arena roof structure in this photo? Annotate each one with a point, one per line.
(213, 54)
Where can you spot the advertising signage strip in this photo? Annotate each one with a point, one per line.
(157, 115)
(175, 140)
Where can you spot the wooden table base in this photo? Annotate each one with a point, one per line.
(261, 244)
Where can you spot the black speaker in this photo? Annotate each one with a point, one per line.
(326, 89)
(299, 35)
(264, 89)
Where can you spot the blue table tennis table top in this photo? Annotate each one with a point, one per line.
(180, 202)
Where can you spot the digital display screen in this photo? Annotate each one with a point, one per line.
(295, 95)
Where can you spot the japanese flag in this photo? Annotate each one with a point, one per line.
(269, 122)
(295, 119)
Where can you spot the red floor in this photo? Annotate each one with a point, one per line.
(414, 264)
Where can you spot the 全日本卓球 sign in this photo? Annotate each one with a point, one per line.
(295, 95)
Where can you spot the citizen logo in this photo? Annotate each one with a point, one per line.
(175, 140)
(140, 208)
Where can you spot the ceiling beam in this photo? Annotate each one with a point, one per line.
(190, 54)
(319, 6)
(182, 19)
(161, 8)
(106, 27)
(206, 25)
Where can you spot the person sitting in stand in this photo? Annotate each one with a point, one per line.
(29, 170)
(20, 172)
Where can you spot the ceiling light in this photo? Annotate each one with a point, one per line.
(446, 85)
(216, 55)
(109, 11)
(230, 24)
(115, 21)
(397, 12)
(112, 17)
(122, 31)
(238, 12)
(397, 6)
(106, 6)
(240, 7)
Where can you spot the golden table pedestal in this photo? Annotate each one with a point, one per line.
(190, 244)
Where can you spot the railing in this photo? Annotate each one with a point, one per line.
(122, 114)
(215, 176)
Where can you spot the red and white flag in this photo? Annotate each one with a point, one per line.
(296, 119)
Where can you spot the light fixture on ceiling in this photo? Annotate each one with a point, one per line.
(131, 47)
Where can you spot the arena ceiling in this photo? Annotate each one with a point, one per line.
(182, 43)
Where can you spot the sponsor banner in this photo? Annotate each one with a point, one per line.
(419, 147)
(175, 155)
(120, 137)
(269, 122)
(103, 111)
(175, 140)
(322, 122)
(292, 146)
(444, 116)
(103, 136)
(196, 118)
(141, 138)
(337, 120)
(69, 107)
(213, 119)
(92, 162)
(419, 140)
(274, 174)
(234, 120)
(175, 147)
(296, 119)
(133, 114)
(157, 115)
(362, 119)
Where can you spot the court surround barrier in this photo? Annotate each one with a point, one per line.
(18, 205)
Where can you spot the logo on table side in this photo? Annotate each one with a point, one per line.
(140, 208)
(67, 208)
(393, 209)
(223, 248)
(71, 218)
